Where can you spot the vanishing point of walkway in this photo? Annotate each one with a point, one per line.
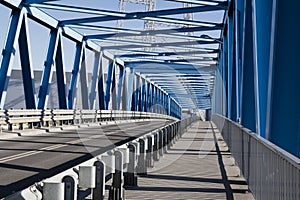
(198, 166)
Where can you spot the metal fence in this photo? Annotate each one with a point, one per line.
(30, 118)
(271, 172)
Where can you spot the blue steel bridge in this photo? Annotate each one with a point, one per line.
(149, 99)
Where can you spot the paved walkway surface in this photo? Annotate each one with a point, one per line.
(198, 166)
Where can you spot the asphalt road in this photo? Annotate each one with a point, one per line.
(28, 159)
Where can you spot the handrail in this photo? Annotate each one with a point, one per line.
(30, 118)
(271, 172)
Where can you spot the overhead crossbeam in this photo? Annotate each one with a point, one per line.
(113, 15)
(155, 32)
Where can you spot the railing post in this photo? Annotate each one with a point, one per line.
(142, 167)
(149, 154)
(156, 147)
(70, 188)
(130, 178)
(116, 191)
(99, 190)
(160, 146)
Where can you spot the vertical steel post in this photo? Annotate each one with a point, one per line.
(9, 52)
(248, 101)
(262, 39)
(95, 80)
(74, 76)
(283, 104)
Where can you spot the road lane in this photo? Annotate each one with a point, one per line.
(25, 160)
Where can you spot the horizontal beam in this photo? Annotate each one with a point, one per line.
(114, 15)
(155, 32)
(198, 2)
(159, 44)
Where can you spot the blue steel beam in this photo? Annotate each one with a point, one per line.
(26, 64)
(120, 86)
(113, 15)
(262, 35)
(95, 79)
(9, 52)
(283, 104)
(239, 24)
(60, 75)
(248, 100)
(154, 32)
(143, 44)
(37, 1)
(101, 95)
(84, 82)
(109, 83)
(114, 88)
(48, 69)
(74, 76)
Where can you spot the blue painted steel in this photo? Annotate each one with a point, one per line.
(9, 52)
(248, 100)
(101, 94)
(262, 35)
(26, 64)
(48, 69)
(284, 111)
(154, 32)
(139, 93)
(231, 69)
(140, 15)
(134, 93)
(226, 72)
(114, 88)
(74, 76)
(60, 76)
(109, 83)
(120, 86)
(239, 23)
(130, 89)
(95, 79)
(84, 83)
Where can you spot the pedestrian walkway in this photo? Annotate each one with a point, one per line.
(198, 166)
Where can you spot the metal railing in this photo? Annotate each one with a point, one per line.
(271, 172)
(25, 118)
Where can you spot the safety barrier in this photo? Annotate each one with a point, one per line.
(122, 165)
(26, 118)
(271, 172)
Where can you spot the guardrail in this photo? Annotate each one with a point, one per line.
(271, 172)
(122, 165)
(24, 118)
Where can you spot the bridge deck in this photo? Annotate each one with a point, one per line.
(30, 158)
(198, 166)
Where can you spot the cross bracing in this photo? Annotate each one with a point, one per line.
(123, 63)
